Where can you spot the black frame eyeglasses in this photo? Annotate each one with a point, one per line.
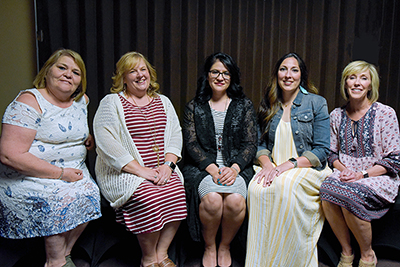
(215, 74)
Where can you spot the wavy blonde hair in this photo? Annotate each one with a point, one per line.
(40, 79)
(126, 63)
(357, 67)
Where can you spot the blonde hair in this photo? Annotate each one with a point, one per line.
(40, 79)
(357, 67)
(126, 63)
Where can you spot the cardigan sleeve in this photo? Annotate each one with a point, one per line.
(107, 127)
(173, 138)
(242, 133)
(193, 146)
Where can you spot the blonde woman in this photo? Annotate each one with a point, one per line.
(139, 142)
(365, 155)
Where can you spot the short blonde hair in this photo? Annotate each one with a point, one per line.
(126, 63)
(40, 79)
(357, 67)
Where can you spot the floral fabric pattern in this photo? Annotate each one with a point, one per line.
(31, 206)
(374, 139)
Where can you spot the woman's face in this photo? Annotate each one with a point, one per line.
(358, 85)
(289, 74)
(219, 77)
(137, 80)
(64, 75)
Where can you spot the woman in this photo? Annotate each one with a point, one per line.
(285, 219)
(46, 189)
(220, 135)
(139, 141)
(365, 155)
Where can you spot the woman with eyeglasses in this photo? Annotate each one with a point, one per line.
(220, 136)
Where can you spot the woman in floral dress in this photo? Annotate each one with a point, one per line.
(45, 187)
(365, 155)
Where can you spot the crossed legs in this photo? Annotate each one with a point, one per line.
(227, 211)
(342, 222)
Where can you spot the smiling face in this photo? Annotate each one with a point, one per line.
(358, 85)
(219, 82)
(137, 79)
(289, 75)
(64, 75)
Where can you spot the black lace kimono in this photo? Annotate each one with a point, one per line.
(239, 142)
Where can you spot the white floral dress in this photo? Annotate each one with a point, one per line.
(30, 206)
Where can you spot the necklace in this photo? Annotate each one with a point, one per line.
(290, 103)
(226, 103)
(155, 148)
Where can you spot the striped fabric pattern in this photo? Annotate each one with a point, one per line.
(145, 125)
(151, 206)
(285, 219)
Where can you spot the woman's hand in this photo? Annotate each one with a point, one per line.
(228, 176)
(89, 142)
(72, 175)
(164, 173)
(146, 173)
(215, 172)
(348, 176)
(266, 175)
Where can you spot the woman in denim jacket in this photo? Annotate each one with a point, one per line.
(285, 217)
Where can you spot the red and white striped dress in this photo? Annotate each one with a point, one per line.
(151, 206)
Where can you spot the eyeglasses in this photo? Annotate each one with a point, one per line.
(225, 75)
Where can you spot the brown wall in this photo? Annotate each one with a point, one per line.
(17, 49)
(177, 35)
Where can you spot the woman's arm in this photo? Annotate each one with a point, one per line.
(107, 127)
(193, 147)
(15, 143)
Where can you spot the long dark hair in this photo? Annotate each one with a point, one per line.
(204, 91)
(272, 99)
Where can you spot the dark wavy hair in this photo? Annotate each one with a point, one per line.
(272, 99)
(204, 91)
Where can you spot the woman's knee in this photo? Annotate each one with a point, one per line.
(212, 202)
(235, 203)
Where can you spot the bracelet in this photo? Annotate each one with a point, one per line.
(237, 171)
(62, 173)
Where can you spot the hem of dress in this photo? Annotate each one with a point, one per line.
(55, 233)
(157, 229)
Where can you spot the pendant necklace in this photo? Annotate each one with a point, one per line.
(155, 148)
(219, 134)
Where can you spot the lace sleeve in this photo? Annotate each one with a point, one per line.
(193, 148)
(21, 114)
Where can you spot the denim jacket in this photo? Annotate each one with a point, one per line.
(309, 120)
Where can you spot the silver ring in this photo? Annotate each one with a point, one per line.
(166, 180)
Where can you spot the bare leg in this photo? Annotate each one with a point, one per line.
(59, 246)
(362, 231)
(72, 236)
(334, 215)
(210, 211)
(55, 247)
(148, 244)
(167, 234)
(232, 218)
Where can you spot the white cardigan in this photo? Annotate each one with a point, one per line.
(115, 148)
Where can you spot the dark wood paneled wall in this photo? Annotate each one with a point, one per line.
(177, 35)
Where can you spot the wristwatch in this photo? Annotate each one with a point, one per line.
(365, 174)
(294, 161)
(171, 165)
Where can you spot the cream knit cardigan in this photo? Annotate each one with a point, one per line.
(115, 148)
